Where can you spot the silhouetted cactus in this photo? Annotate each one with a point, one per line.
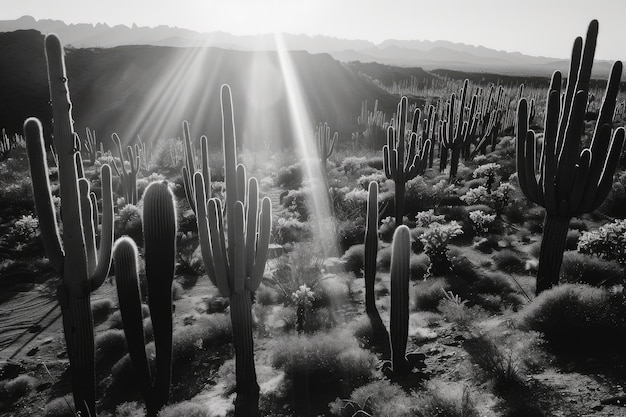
(236, 264)
(404, 161)
(325, 144)
(456, 128)
(74, 255)
(568, 182)
(159, 226)
(90, 145)
(399, 322)
(380, 337)
(128, 178)
(190, 168)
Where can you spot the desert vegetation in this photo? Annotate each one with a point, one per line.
(462, 257)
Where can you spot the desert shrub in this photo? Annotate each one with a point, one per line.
(497, 364)
(489, 172)
(378, 398)
(448, 401)
(142, 183)
(418, 196)
(481, 220)
(302, 266)
(498, 199)
(18, 195)
(571, 240)
(386, 229)
(378, 177)
(427, 295)
(60, 407)
(286, 228)
(185, 409)
(515, 211)
(18, 387)
(435, 239)
(586, 269)
(332, 362)
(207, 332)
(350, 233)
(455, 310)
(101, 309)
(509, 261)
(265, 295)
(615, 203)
(110, 344)
(418, 266)
(352, 164)
(578, 224)
(290, 177)
(425, 218)
(22, 236)
(383, 258)
(354, 259)
(128, 222)
(578, 318)
(608, 242)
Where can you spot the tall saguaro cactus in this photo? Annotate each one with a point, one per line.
(568, 181)
(159, 226)
(403, 161)
(235, 264)
(325, 144)
(380, 338)
(74, 255)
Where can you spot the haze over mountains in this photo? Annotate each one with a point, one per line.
(406, 53)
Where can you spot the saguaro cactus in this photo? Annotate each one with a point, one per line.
(74, 255)
(325, 144)
(90, 145)
(159, 226)
(189, 169)
(128, 177)
(403, 161)
(568, 182)
(236, 264)
(399, 322)
(380, 338)
(455, 130)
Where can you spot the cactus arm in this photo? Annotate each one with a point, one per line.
(94, 213)
(238, 263)
(218, 248)
(569, 90)
(610, 167)
(189, 191)
(159, 226)
(106, 233)
(203, 228)
(581, 172)
(241, 182)
(188, 168)
(206, 172)
(607, 110)
(129, 299)
(262, 246)
(386, 163)
(120, 172)
(43, 197)
(251, 219)
(230, 157)
(86, 211)
(399, 321)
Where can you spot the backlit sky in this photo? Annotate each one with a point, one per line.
(534, 27)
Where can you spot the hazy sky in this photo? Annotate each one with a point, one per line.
(535, 27)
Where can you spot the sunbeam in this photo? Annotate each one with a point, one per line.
(323, 224)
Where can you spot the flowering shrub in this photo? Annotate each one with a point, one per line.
(24, 231)
(435, 240)
(287, 228)
(607, 242)
(303, 298)
(498, 199)
(487, 171)
(481, 220)
(129, 223)
(425, 218)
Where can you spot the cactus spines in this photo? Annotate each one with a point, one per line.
(81, 272)
(189, 168)
(399, 322)
(568, 182)
(380, 337)
(403, 161)
(128, 178)
(325, 144)
(235, 268)
(159, 226)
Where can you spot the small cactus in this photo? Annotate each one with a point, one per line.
(128, 178)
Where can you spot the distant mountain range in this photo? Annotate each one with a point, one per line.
(405, 53)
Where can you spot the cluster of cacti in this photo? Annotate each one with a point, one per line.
(177, 152)
(90, 145)
(234, 255)
(457, 127)
(73, 256)
(143, 151)
(159, 228)
(128, 177)
(325, 144)
(190, 167)
(373, 124)
(402, 160)
(7, 144)
(564, 180)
